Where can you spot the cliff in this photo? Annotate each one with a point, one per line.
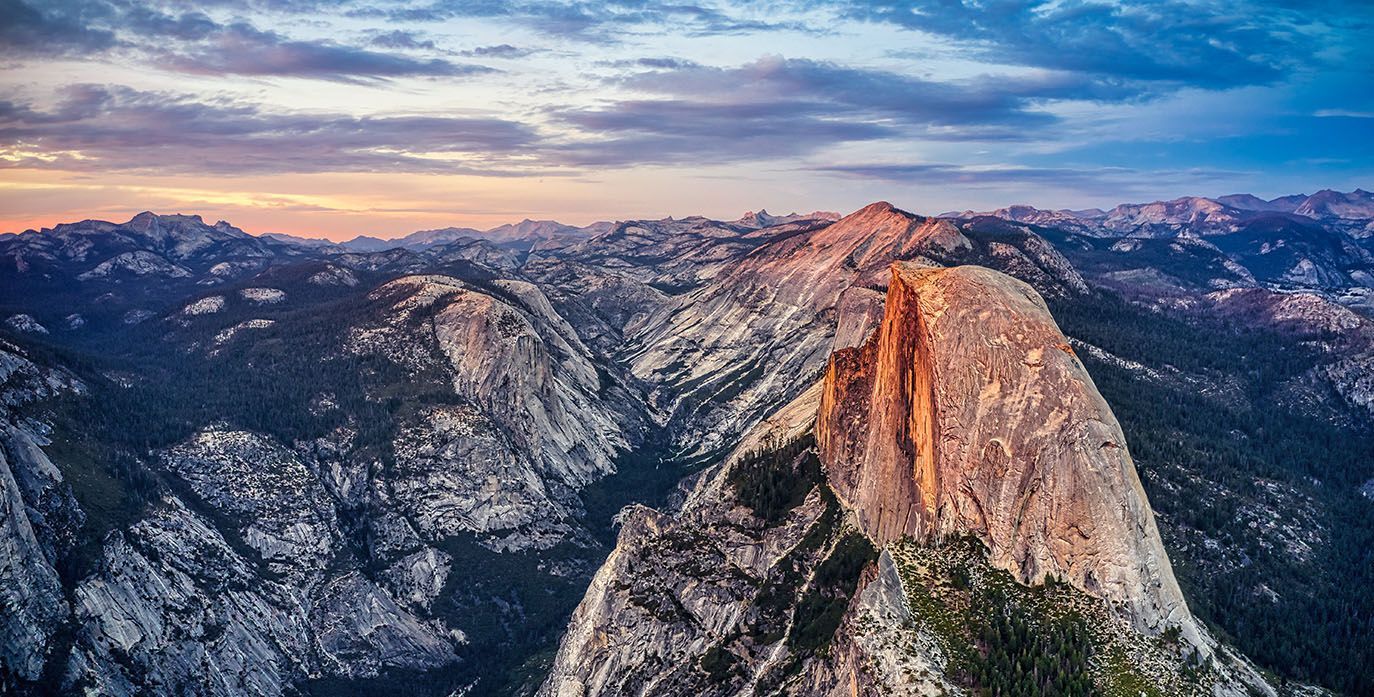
(968, 412)
(964, 415)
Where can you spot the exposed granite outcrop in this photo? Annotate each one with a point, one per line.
(30, 591)
(39, 519)
(531, 422)
(968, 412)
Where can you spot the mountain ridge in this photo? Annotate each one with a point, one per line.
(1357, 204)
(204, 351)
(1197, 213)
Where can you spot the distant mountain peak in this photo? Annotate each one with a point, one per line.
(877, 213)
(878, 207)
(762, 218)
(881, 231)
(151, 218)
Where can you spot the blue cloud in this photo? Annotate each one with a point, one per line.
(241, 49)
(986, 99)
(595, 21)
(118, 128)
(1204, 43)
(194, 42)
(60, 29)
(402, 39)
(499, 51)
(778, 107)
(672, 131)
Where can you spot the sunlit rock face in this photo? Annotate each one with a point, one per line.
(732, 350)
(968, 412)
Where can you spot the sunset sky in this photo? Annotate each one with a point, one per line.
(342, 118)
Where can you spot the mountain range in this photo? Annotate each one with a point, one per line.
(1202, 216)
(1012, 452)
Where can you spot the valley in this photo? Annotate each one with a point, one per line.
(457, 462)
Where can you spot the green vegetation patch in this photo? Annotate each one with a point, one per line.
(1204, 455)
(821, 609)
(776, 480)
(1004, 639)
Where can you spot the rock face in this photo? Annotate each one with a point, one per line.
(171, 599)
(711, 579)
(965, 412)
(968, 412)
(38, 520)
(25, 323)
(282, 510)
(533, 422)
(139, 263)
(745, 342)
(735, 349)
(252, 595)
(30, 590)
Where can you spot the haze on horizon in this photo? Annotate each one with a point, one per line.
(381, 118)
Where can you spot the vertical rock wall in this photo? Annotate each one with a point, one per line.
(968, 412)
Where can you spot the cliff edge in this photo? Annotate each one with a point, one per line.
(968, 412)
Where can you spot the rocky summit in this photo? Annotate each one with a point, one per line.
(967, 412)
(1024, 452)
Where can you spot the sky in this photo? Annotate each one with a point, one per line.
(335, 118)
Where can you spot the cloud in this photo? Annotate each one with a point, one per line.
(787, 109)
(193, 42)
(984, 99)
(102, 128)
(662, 62)
(400, 38)
(1343, 113)
(499, 51)
(1213, 44)
(241, 49)
(778, 107)
(85, 28)
(58, 31)
(149, 22)
(593, 21)
(668, 132)
(1095, 181)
